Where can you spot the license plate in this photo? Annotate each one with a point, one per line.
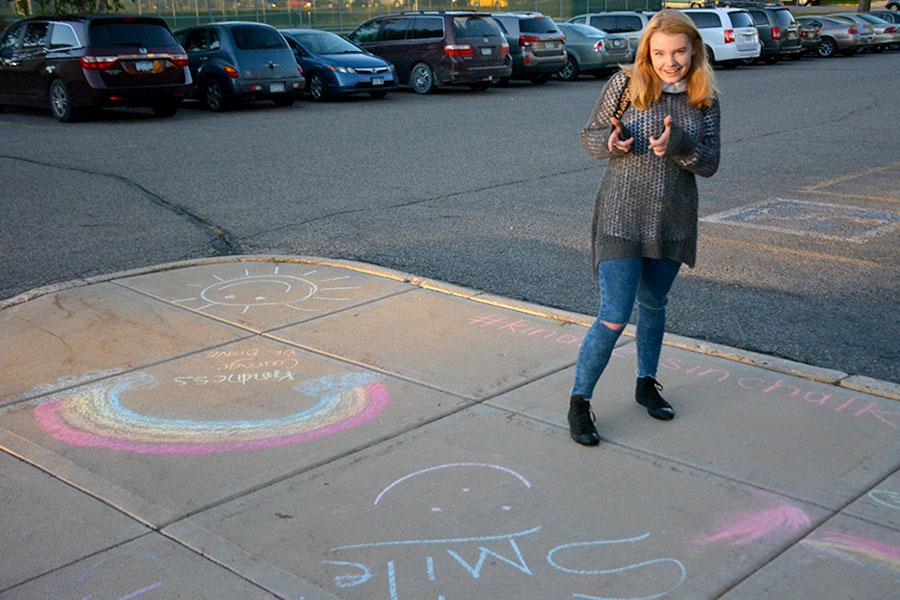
(617, 43)
(486, 51)
(276, 88)
(377, 81)
(143, 66)
(552, 45)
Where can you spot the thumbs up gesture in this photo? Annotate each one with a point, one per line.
(659, 144)
(615, 138)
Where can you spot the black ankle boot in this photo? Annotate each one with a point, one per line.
(646, 393)
(581, 422)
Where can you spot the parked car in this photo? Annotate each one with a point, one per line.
(82, 63)
(630, 23)
(890, 17)
(866, 30)
(779, 33)
(893, 5)
(536, 45)
(334, 66)
(810, 37)
(434, 48)
(589, 50)
(835, 36)
(728, 34)
(887, 34)
(238, 61)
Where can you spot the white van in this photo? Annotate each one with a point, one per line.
(728, 34)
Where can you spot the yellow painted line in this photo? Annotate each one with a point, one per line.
(782, 250)
(854, 196)
(863, 173)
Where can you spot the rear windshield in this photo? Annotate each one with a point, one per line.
(705, 20)
(326, 43)
(783, 18)
(119, 34)
(538, 25)
(586, 30)
(469, 27)
(741, 19)
(248, 37)
(873, 19)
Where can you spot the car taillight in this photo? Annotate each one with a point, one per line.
(461, 50)
(300, 70)
(527, 40)
(776, 33)
(563, 39)
(97, 62)
(729, 36)
(231, 71)
(598, 46)
(504, 49)
(889, 30)
(179, 60)
(852, 30)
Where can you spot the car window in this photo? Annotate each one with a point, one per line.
(426, 27)
(627, 24)
(740, 19)
(783, 18)
(63, 36)
(393, 29)
(326, 43)
(35, 35)
(873, 20)
(606, 23)
(212, 40)
(251, 37)
(585, 30)
(195, 40)
(833, 21)
(537, 25)
(11, 40)
(109, 33)
(705, 20)
(759, 18)
(469, 27)
(368, 32)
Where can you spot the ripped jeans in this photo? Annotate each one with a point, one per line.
(621, 279)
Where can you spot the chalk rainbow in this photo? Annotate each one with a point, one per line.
(95, 416)
(749, 526)
(854, 548)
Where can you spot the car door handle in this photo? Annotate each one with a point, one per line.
(204, 58)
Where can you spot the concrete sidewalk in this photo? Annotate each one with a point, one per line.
(263, 427)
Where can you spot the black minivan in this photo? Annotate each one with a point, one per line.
(78, 63)
(434, 48)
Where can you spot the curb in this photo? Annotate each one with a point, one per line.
(860, 383)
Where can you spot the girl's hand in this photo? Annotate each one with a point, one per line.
(659, 145)
(615, 140)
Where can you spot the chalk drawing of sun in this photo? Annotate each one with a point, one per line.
(269, 288)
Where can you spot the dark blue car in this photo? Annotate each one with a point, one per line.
(333, 66)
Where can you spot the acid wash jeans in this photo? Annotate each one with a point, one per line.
(620, 280)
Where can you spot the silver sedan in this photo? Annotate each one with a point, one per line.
(592, 50)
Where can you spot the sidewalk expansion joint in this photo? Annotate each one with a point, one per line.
(222, 241)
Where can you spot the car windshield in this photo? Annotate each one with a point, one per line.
(470, 27)
(538, 25)
(783, 18)
(326, 43)
(119, 34)
(741, 18)
(586, 30)
(838, 22)
(251, 37)
(873, 20)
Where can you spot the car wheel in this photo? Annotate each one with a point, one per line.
(503, 82)
(318, 91)
(771, 59)
(570, 71)
(540, 79)
(214, 95)
(421, 80)
(165, 108)
(284, 100)
(378, 95)
(711, 57)
(479, 86)
(61, 102)
(827, 47)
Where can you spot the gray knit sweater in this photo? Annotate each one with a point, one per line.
(647, 204)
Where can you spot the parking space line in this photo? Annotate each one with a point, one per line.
(792, 251)
(853, 196)
(830, 182)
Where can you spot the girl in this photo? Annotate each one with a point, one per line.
(658, 124)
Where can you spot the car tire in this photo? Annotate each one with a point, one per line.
(165, 108)
(771, 59)
(318, 91)
(421, 79)
(503, 81)
(61, 102)
(569, 72)
(214, 95)
(284, 100)
(848, 52)
(711, 57)
(378, 95)
(479, 86)
(540, 79)
(827, 47)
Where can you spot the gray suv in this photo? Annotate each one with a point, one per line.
(536, 45)
(779, 33)
(239, 61)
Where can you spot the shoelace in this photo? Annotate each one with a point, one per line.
(586, 418)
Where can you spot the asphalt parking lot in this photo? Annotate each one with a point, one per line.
(491, 190)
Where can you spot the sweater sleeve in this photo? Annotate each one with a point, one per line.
(595, 135)
(698, 157)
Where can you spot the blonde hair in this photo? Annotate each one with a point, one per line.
(645, 86)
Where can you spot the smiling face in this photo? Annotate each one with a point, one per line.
(671, 54)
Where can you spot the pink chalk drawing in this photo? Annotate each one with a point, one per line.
(856, 549)
(749, 526)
